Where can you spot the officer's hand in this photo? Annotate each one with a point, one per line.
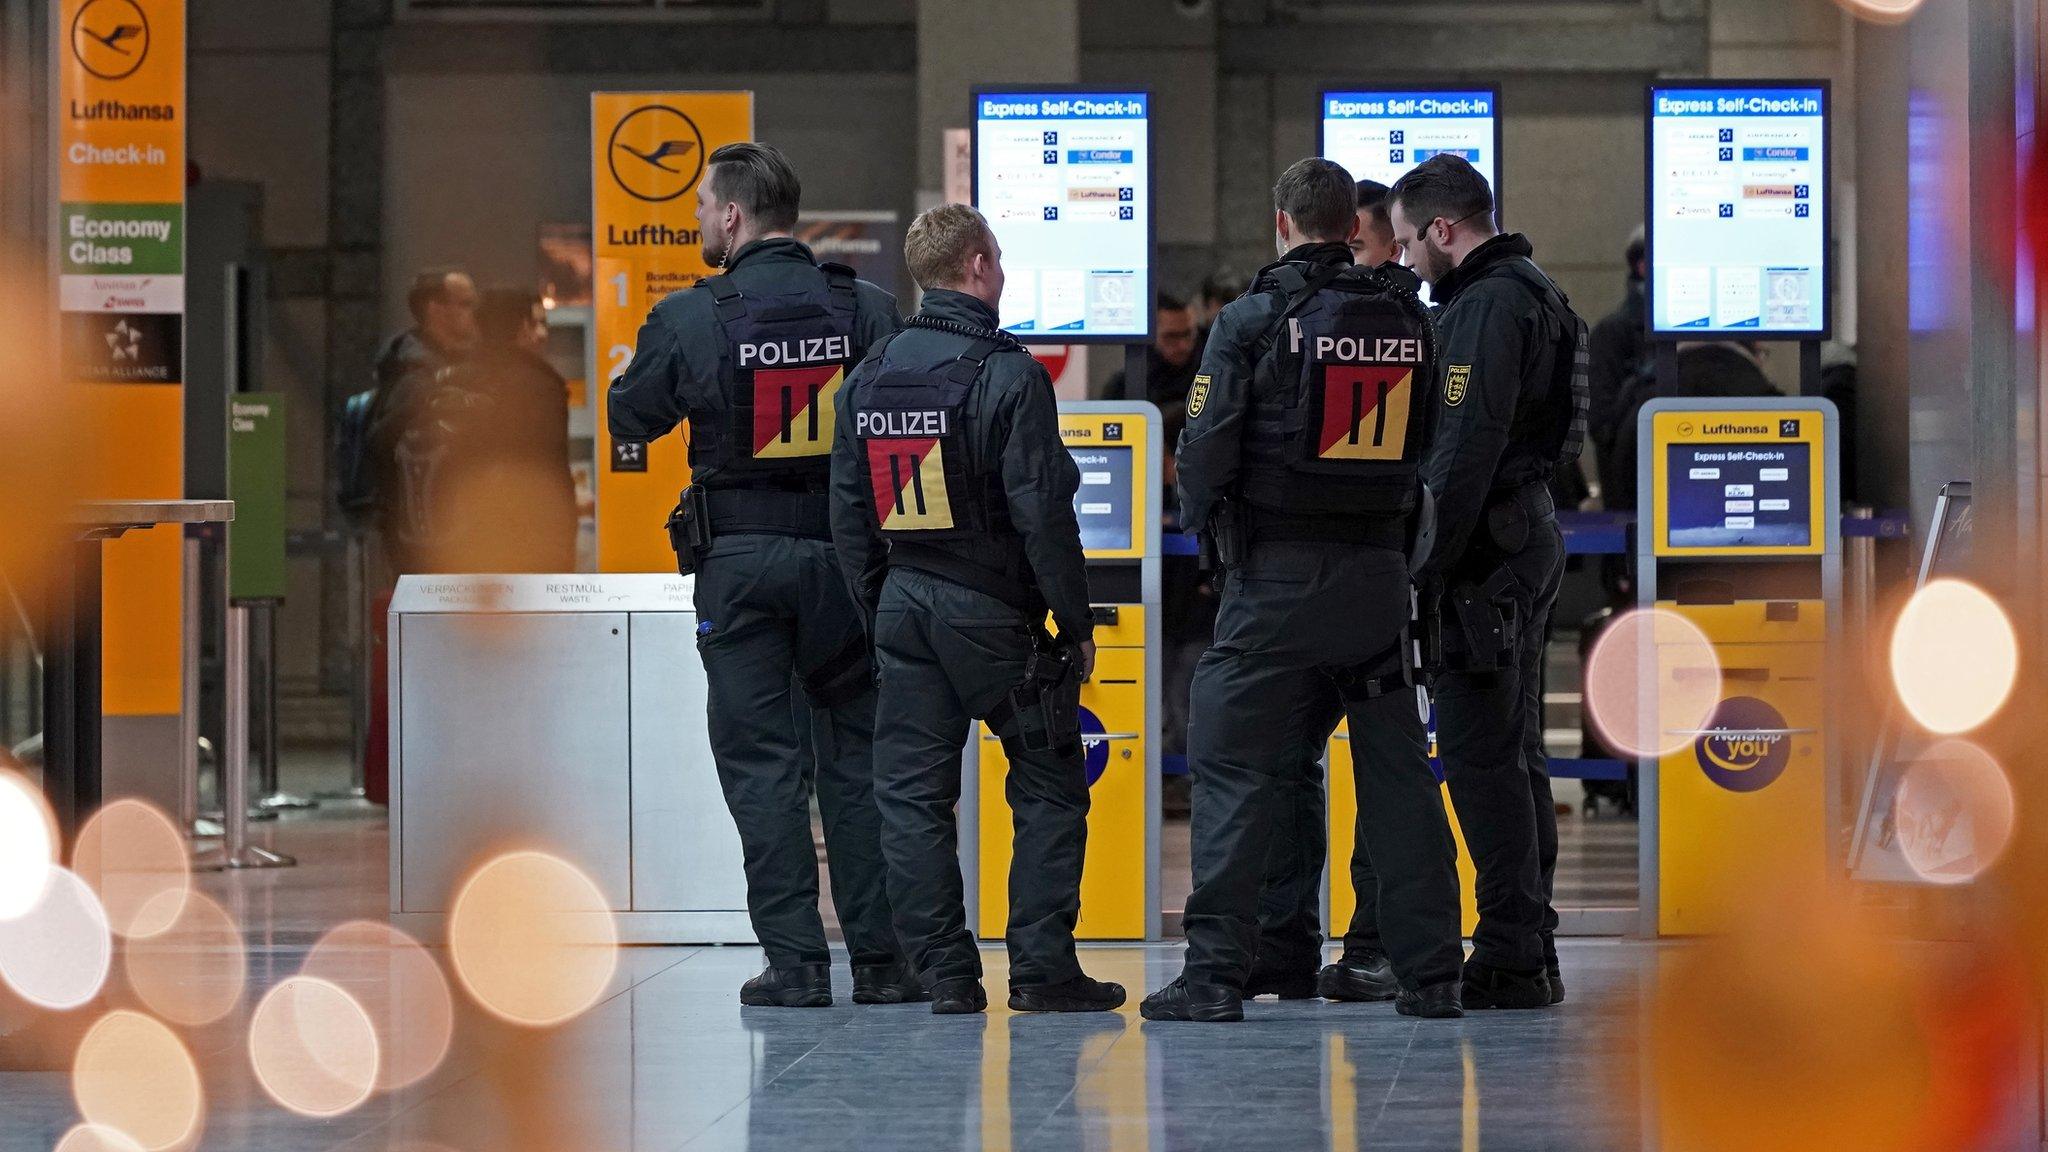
(1087, 648)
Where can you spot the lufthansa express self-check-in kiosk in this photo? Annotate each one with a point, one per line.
(1741, 537)
(1118, 448)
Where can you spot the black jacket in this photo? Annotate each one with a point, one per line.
(1617, 355)
(1501, 416)
(1211, 452)
(1013, 422)
(675, 371)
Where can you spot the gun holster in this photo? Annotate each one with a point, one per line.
(1485, 620)
(1223, 539)
(689, 528)
(1047, 702)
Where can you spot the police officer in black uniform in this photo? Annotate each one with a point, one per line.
(754, 358)
(1300, 464)
(1513, 402)
(952, 508)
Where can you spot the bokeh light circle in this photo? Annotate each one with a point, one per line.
(532, 939)
(402, 990)
(1652, 681)
(1955, 656)
(1881, 11)
(28, 838)
(313, 1048)
(195, 971)
(134, 1075)
(96, 1138)
(131, 854)
(1954, 812)
(57, 953)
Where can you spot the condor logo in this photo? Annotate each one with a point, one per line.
(1746, 747)
(1365, 412)
(908, 479)
(795, 410)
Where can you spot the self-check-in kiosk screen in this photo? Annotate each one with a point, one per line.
(1064, 179)
(1380, 134)
(1103, 503)
(1739, 496)
(1738, 211)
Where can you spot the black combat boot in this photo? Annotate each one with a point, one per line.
(1436, 1002)
(1080, 994)
(1362, 976)
(1490, 987)
(797, 986)
(960, 996)
(892, 983)
(1180, 1000)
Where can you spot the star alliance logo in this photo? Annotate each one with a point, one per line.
(124, 342)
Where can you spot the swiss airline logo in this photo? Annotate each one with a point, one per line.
(795, 410)
(908, 478)
(1365, 411)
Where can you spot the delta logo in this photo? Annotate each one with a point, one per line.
(1746, 746)
(795, 410)
(1365, 412)
(908, 478)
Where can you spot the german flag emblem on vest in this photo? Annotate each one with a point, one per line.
(1365, 412)
(795, 410)
(908, 478)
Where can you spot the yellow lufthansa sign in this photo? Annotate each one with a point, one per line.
(649, 152)
(1739, 482)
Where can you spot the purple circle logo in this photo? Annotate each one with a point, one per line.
(1094, 746)
(1746, 746)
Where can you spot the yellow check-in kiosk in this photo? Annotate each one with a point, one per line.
(1741, 536)
(1339, 898)
(1118, 448)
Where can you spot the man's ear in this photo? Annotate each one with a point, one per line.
(1351, 233)
(1282, 226)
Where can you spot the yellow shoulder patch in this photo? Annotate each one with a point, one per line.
(1456, 380)
(1198, 395)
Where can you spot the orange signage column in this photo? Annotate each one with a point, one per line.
(120, 251)
(647, 157)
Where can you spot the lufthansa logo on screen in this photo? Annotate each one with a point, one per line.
(927, 422)
(110, 38)
(656, 153)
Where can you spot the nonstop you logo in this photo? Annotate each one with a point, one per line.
(1746, 747)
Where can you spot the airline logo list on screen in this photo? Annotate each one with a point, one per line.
(1380, 135)
(1737, 200)
(1064, 179)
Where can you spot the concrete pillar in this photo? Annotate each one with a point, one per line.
(962, 43)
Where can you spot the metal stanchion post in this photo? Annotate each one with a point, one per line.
(1859, 577)
(273, 797)
(236, 851)
(359, 691)
(188, 714)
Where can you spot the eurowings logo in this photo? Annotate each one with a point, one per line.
(908, 479)
(1365, 412)
(795, 410)
(1746, 746)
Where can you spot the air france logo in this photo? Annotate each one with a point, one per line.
(1094, 746)
(1745, 747)
(656, 153)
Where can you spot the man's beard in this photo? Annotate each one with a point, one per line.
(716, 249)
(1436, 262)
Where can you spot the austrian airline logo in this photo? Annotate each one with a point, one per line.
(1365, 412)
(1746, 746)
(795, 410)
(908, 478)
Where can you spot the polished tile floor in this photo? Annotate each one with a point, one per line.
(668, 1060)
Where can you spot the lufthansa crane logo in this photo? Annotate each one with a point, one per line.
(110, 38)
(1746, 746)
(656, 153)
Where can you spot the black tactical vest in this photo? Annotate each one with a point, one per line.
(1340, 406)
(923, 472)
(784, 359)
(1570, 397)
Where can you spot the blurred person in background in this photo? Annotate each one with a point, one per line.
(1619, 372)
(1217, 289)
(1169, 367)
(1374, 244)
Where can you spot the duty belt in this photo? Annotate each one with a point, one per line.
(958, 569)
(1268, 528)
(769, 511)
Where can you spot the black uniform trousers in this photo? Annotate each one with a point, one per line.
(1490, 734)
(1295, 620)
(773, 612)
(947, 655)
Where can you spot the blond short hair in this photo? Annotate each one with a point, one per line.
(942, 241)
